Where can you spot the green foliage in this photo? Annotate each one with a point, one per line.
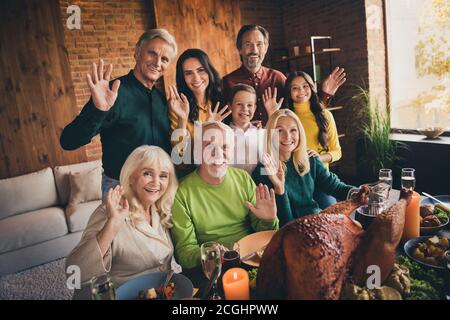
(252, 273)
(426, 283)
(380, 150)
(431, 50)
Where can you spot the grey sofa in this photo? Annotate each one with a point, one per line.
(36, 226)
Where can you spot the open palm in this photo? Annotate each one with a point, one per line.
(216, 114)
(117, 208)
(102, 96)
(276, 173)
(265, 208)
(270, 101)
(334, 80)
(178, 103)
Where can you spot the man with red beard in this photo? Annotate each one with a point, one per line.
(127, 112)
(218, 202)
(252, 42)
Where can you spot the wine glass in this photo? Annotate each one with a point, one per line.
(385, 175)
(231, 258)
(211, 261)
(102, 288)
(408, 179)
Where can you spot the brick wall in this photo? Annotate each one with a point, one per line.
(266, 13)
(109, 30)
(376, 50)
(362, 56)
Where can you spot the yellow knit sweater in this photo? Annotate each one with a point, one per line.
(202, 117)
(303, 111)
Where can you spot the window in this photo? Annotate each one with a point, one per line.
(418, 43)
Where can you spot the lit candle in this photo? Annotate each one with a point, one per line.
(236, 284)
(412, 218)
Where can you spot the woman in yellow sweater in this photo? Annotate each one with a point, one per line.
(320, 127)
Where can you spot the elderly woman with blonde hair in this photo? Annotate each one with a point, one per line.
(128, 235)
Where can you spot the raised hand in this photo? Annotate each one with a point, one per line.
(98, 82)
(276, 173)
(178, 103)
(216, 115)
(117, 208)
(334, 80)
(270, 101)
(266, 208)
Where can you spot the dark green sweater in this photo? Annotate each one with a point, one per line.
(297, 200)
(139, 116)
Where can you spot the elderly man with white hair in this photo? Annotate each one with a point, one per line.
(218, 202)
(127, 112)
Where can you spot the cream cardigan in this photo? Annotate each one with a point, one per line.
(135, 250)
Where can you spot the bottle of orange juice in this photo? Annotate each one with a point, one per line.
(412, 218)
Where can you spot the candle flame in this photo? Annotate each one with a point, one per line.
(235, 275)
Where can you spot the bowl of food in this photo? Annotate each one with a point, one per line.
(148, 287)
(431, 132)
(428, 251)
(432, 219)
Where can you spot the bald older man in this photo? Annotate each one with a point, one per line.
(217, 202)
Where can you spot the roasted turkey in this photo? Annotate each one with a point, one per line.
(311, 257)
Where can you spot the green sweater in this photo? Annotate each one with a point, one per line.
(139, 116)
(204, 212)
(297, 200)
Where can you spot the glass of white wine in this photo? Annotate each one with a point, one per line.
(211, 255)
(408, 179)
(385, 175)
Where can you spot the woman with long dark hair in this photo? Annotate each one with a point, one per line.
(195, 99)
(322, 139)
(320, 128)
(198, 92)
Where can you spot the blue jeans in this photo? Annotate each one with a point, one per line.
(323, 200)
(107, 183)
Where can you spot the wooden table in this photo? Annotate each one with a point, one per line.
(199, 280)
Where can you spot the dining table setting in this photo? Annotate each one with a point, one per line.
(250, 269)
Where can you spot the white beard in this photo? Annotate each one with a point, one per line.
(219, 174)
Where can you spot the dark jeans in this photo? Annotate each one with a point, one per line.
(107, 183)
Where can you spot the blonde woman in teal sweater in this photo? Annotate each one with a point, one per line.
(295, 176)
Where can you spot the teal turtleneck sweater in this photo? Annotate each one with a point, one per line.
(297, 200)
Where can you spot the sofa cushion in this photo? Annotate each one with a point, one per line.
(30, 228)
(85, 186)
(62, 177)
(78, 216)
(28, 192)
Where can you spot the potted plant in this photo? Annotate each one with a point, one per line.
(377, 149)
